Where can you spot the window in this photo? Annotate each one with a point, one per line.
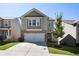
(29, 22)
(9, 23)
(9, 32)
(49, 24)
(6, 24)
(5, 32)
(38, 24)
(34, 22)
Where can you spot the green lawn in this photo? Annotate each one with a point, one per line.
(8, 45)
(64, 50)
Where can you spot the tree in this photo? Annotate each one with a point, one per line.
(58, 28)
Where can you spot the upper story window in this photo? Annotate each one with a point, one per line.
(9, 23)
(34, 22)
(49, 24)
(6, 23)
(29, 22)
(38, 23)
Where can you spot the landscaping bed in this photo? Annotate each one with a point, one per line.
(64, 50)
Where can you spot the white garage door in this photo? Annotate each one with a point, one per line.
(34, 37)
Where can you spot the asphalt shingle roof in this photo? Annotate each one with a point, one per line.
(68, 21)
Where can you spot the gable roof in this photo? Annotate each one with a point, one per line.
(8, 17)
(68, 21)
(76, 21)
(33, 12)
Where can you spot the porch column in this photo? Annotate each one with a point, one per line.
(8, 33)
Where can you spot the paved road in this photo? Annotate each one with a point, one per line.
(26, 49)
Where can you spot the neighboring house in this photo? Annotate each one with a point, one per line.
(69, 37)
(71, 28)
(10, 28)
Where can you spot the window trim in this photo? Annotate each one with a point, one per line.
(34, 22)
(9, 23)
(31, 21)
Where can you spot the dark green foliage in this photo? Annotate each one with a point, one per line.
(1, 40)
(20, 39)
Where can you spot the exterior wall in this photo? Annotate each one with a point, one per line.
(43, 23)
(50, 25)
(23, 24)
(77, 33)
(0, 22)
(15, 29)
(4, 23)
(68, 40)
(69, 29)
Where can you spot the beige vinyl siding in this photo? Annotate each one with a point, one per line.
(24, 24)
(15, 29)
(43, 23)
(69, 29)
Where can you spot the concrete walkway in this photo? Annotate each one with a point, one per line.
(26, 49)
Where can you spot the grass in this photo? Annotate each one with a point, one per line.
(8, 45)
(64, 50)
(58, 51)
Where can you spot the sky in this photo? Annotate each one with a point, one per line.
(70, 11)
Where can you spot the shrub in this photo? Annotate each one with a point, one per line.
(1, 41)
(20, 39)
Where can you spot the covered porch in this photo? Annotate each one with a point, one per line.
(6, 33)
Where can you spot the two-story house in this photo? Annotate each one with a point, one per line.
(34, 26)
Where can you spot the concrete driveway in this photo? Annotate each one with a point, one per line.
(27, 49)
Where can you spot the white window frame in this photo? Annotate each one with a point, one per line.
(9, 23)
(37, 20)
(29, 21)
(33, 22)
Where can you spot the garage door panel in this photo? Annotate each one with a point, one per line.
(34, 37)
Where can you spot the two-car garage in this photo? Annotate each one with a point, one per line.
(34, 37)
